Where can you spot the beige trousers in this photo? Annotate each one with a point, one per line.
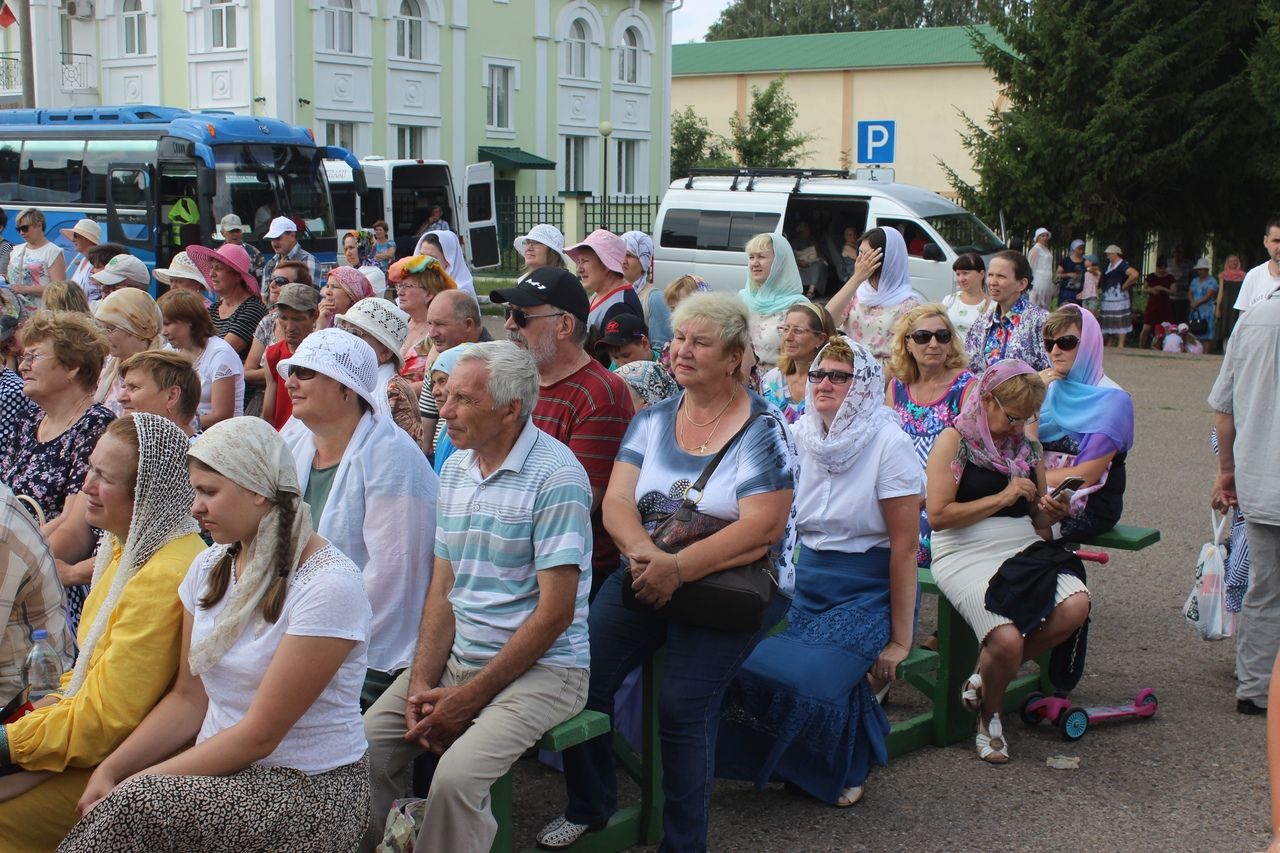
(458, 819)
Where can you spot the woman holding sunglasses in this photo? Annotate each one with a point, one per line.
(986, 499)
(37, 262)
(931, 376)
(1086, 424)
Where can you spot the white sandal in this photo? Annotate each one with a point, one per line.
(850, 797)
(971, 693)
(992, 747)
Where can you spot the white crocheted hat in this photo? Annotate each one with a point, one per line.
(382, 320)
(342, 357)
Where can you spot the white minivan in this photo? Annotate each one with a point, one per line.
(705, 221)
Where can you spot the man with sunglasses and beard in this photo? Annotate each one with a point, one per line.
(580, 403)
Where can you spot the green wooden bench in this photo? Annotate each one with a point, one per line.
(938, 675)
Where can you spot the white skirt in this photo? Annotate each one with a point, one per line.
(966, 559)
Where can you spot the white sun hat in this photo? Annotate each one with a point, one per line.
(382, 320)
(342, 357)
(547, 235)
(181, 267)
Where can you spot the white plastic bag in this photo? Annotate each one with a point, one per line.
(1206, 607)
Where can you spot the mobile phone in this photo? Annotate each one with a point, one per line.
(1070, 484)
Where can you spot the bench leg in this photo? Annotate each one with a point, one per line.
(958, 652)
(500, 805)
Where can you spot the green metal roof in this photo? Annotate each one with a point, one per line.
(514, 158)
(824, 51)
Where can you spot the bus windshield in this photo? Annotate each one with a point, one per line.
(261, 182)
(965, 232)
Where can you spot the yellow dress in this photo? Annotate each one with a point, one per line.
(132, 667)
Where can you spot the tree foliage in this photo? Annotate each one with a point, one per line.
(767, 137)
(1127, 117)
(694, 144)
(756, 18)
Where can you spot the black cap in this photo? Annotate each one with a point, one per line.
(623, 328)
(553, 286)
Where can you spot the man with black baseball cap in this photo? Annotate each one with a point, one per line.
(580, 403)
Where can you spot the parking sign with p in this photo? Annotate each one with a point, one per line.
(875, 142)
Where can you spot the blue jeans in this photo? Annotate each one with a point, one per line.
(700, 664)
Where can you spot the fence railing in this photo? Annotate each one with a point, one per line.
(76, 72)
(10, 72)
(515, 218)
(632, 213)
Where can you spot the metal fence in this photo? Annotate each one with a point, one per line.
(10, 72)
(634, 213)
(516, 216)
(76, 71)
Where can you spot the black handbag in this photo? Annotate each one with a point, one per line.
(1198, 327)
(733, 599)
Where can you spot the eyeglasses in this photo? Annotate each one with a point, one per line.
(30, 358)
(923, 336)
(302, 374)
(1029, 419)
(1066, 343)
(522, 317)
(837, 377)
(22, 229)
(281, 280)
(783, 331)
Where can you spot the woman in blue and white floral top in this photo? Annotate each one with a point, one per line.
(1012, 326)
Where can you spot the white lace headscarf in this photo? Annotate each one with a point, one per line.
(249, 453)
(861, 415)
(162, 501)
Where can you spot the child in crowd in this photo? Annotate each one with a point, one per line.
(1173, 338)
(1089, 290)
(1191, 344)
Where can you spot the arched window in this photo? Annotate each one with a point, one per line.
(409, 30)
(222, 24)
(339, 26)
(629, 56)
(135, 28)
(576, 50)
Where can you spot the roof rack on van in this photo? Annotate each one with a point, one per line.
(751, 173)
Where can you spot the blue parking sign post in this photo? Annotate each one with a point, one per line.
(875, 142)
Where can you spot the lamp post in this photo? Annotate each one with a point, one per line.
(606, 130)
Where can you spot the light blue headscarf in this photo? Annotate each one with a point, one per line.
(782, 288)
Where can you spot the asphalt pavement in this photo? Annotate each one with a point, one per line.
(1192, 778)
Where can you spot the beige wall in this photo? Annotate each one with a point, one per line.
(925, 102)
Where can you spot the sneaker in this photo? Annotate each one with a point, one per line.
(1250, 708)
(561, 833)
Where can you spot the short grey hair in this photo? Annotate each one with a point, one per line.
(725, 312)
(465, 306)
(513, 375)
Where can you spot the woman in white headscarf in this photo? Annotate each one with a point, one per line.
(138, 494)
(274, 632)
(878, 292)
(445, 247)
(131, 320)
(812, 687)
(636, 268)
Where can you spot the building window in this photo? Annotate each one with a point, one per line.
(135, 28)
(500, 83)
(575, 163)
(409, 30)
(409, 143)
(339, 26)
(628, 158)
(575, 61)
(222, 28)
(340, 133)
(629, 57)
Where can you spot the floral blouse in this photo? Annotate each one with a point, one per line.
(873, 327)
(774, 388)
(1017, 334)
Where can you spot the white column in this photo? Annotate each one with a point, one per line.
(543, 92)
(274, 50)
(458, 23)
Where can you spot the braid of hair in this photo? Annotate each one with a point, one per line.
(220, 578)
(273, 601)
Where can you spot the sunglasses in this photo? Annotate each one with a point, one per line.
(923, 336)
(1029, 419)
(302, 374)
(22, 229)
(1066, 343)
(837, 377)
(522, 317)
(281, 280)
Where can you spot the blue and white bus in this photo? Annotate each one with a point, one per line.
(160, 178)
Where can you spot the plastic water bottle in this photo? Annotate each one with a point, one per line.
(42, 670)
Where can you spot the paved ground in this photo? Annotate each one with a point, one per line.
(1193, 778)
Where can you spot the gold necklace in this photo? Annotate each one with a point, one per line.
(702, 448)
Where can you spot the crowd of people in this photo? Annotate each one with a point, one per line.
(305, 555)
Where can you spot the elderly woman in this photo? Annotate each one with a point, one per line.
(803, 710)
(667, 447)
(542, 247)
(445, 247)
(131, 320)
(1040, 256)
(383, 326)
(363, 479)
(805, 329)
(236, 308)
(601, 266)
(83, 236)
(986, 498)
(271, 653)
(418, 279)
(930, 381)
(1011, 327)
(1204, 294)
(36, 262)
(773, 285)
(636, 268)
(188, 327)
(65, 296)
(441, 446)
(1118, 280)
(182, 274)
(970, 300)
(343, 287)
(1086, 424)
(878, 292)
(139, 496)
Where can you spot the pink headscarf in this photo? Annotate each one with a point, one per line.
(352, 281)
(1015, 455)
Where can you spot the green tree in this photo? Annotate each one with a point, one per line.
(756, 18)
(693, 144)
(767, 137)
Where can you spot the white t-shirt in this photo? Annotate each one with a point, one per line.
(1172, 342)
(963, 316)
(841, 512)
(325, 599)
(218, 361)
(1258, 285)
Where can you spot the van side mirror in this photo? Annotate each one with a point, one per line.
(933, 252)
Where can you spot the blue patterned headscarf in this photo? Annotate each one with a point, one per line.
(1081, 408)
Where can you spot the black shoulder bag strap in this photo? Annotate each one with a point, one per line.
(690, 504)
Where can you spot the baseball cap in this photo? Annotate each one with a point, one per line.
(299, 297)
(231, 222)
(554, 286)
(123, 269)
(622, 329)
(280, 225)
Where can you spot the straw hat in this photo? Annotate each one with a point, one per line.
(87, 229)
(181, 267)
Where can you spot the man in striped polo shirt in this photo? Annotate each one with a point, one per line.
(580, 402)
(502, 651)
